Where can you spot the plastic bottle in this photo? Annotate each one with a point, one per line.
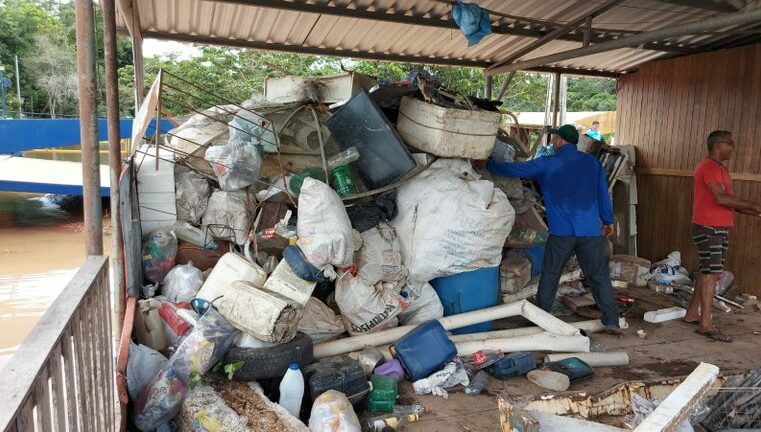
(344, 158)
(392, 421)
(343, 182)
(297, 180)
(481, 360)
(477, 383)
(292, 390)
(185, 231)
(409, 409)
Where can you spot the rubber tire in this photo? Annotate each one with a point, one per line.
(272, 362)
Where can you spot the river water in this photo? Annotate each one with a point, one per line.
(41, 247)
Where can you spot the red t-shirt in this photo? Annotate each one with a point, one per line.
(705, 210)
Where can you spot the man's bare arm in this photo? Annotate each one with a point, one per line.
(738, 204)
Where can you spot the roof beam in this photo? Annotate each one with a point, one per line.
(610, 4)
(512, 26)
(707, 5)
(248, 44)
(709, 24)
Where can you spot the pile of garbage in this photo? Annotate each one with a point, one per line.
(277, 275)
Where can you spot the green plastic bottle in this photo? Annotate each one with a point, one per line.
(382, 397)
(297, 180)
(343, 182)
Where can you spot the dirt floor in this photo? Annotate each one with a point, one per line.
(670, 349)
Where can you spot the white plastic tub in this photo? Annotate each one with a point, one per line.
(231, 267)
(447, 132)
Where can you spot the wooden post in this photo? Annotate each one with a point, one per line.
(488, 89)
(556, 104)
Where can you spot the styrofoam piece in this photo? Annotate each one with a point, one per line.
(447, 132)
(682, 401)
(229, 268)
(155, 189)
(524, 308)
(554, 423)
(662, 315)
(335, 88)
(285, 282)
(594, 359)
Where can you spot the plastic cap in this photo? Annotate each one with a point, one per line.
(294, 366)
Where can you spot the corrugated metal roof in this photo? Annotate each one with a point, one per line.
(422, 30)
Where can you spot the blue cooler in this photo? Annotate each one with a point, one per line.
(465, 292)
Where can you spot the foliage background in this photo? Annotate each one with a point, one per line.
(42, 34)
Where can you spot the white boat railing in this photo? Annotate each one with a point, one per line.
(62, 376)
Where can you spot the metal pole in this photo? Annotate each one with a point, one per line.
(489, 87)
(88, 127)
(556, 106)
(119, 292)
(711, 24)
(18, 88)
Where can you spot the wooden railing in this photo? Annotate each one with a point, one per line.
(62, 376)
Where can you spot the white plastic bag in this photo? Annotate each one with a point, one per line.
(367, 308)
(323, 226)
(320, 322)
(332, 412)
(670, 271)
(248, 126)
(191, 195)
(237, 164)
(451, 375)
(182, 283)
(380, 259)
(425, 305)
(227, 216)
(451, 222)
(142, 364)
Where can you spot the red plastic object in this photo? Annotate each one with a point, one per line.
(168, 313)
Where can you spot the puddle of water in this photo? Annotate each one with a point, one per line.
(41, 248)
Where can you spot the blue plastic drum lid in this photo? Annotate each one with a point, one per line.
(469, 291)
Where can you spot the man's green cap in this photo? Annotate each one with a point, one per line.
(568, 133)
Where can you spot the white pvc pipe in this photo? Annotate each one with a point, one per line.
(539, 317)
(539, 342)
(594, 359)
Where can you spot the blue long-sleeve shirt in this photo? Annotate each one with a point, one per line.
(574, 188)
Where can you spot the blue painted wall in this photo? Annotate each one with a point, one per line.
(29, 134)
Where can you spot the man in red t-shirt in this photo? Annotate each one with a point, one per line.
(713, 213)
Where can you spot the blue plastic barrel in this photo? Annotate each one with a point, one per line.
(469, 291)
(535, 255)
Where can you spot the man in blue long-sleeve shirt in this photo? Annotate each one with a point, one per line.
(579, 213)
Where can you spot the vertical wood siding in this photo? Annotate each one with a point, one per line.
(667, 109)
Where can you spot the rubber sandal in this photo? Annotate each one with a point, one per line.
(716, 335)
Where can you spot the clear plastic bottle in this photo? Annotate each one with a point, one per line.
(477, 383)
(344, 158)
(409, 409)
(481, 360)
(186, 231)
(392, 421)
(292, 390)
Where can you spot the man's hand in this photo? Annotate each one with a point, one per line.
(608, 230)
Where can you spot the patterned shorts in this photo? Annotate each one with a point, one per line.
(712, 244)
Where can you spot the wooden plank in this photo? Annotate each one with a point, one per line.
(72, 407)
(108, 377)
(25, 420)
(44, 404)
(688, 173)
(25, 365)
(89, 335)
(57, 385)
(81, 376)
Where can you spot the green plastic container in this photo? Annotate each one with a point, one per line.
(343, 183)
(297, 180)
(382, 397)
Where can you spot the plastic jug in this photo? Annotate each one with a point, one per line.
(292, 390)
(231, 267)
(512, 365)
(148, 324)
(286, 283)
(424, 350)
(469, 291)
(184, 230)
(382, 397)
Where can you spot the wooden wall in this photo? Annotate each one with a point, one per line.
(667, 109)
